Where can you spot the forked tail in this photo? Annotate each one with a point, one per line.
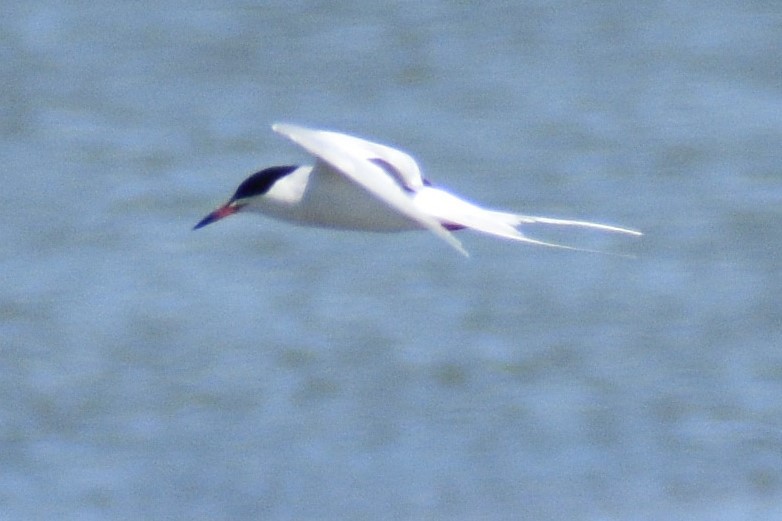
(517, 220)
(455, 212)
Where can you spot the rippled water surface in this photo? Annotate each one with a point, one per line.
(255, 370)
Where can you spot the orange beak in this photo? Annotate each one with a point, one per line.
(224, 211)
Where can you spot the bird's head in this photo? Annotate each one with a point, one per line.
(252, 188)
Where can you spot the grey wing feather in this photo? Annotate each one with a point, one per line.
(353, 158)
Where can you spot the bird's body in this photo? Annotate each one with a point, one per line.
(320, 197)
(364, 186)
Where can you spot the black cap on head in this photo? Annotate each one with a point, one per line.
(260, 182)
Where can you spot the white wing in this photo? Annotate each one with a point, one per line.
(353, 157)
(405, 168)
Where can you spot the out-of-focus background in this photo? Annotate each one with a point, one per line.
(255, 370)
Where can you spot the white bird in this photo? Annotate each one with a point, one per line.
(360, 185)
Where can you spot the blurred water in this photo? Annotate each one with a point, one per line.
(254, 370)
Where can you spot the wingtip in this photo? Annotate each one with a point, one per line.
(449, 238)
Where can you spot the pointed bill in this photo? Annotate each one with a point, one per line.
(223, 211)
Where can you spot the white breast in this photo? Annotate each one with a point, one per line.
(318, 196)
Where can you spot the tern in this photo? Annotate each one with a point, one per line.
(360, 185)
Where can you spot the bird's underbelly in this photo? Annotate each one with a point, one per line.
(345, 207)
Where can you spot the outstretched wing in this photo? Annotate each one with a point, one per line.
(385, 173)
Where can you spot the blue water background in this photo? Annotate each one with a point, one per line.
(255, 370)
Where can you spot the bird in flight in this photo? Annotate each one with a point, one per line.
(360, 185)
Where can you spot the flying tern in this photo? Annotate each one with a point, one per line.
(359, 185)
